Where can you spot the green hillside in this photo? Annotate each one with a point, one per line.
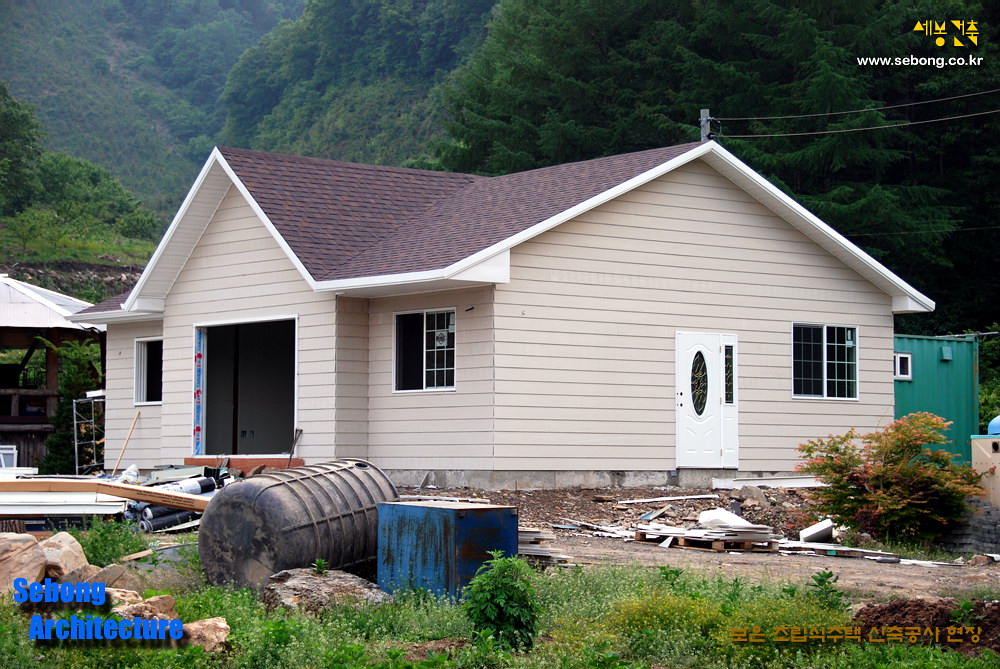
(352, 79)
(131, 85)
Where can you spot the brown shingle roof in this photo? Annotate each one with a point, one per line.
(345, 220)
(111, 304)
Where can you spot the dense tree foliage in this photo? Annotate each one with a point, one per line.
(350, 79)
(19, 135)
(52, 199)
(561, 81)
(132, 85)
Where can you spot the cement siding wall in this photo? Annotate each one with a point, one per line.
(239, 273)
(352, 378)
(585, 330)
(434, 429)
(143, 447)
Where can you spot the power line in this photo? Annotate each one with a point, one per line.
(856, 111)
(922, 232)
(875, 127)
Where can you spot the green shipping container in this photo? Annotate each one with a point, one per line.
(940, 375)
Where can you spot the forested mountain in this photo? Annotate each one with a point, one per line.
(351, 79)
(132, 85)
(557, 81)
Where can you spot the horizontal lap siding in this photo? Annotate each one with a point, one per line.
(585, 330)
(144, 446)
(238, 272)
(352, 378)
(434, 429)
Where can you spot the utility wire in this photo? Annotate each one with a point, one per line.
(922, 232)
(856, 111)
(876, 127)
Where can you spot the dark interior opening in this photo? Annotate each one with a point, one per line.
(410, 351)
(249, 388)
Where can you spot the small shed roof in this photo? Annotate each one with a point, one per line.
(23, 305)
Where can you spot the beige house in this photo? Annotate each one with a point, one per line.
(620, 320)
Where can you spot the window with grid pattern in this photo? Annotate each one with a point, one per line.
(824, 361)
(425, 350)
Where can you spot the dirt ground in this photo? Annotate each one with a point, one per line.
(785, 510)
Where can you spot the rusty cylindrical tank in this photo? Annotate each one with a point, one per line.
(287, 519)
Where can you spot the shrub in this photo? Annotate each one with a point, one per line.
(106, 542)
(892, 485)
(501, 600)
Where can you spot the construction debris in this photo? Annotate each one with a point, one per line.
(535, 544)
(821, 531)
(666, 499)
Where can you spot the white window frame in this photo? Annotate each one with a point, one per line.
(140, 371)
(857, 362)
(423, 374)
(896, 357)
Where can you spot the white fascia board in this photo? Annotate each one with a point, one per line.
(136, 299)
(830, 239)
(213, 158)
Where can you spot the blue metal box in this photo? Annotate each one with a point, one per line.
(438, 546)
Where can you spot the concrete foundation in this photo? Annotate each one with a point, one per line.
(541, 480)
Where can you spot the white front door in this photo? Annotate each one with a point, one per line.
(706, 407)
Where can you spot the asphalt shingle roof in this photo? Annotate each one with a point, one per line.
(345, 220)
(348, 220)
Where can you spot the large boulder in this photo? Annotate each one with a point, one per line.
(63, 555)
(210, 633)
(20, 557)
(160, 607)
(84, 574)
(311, 592)
(117, 576)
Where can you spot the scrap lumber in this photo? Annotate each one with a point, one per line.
(176, 500)
(535, 544)
(666, 499)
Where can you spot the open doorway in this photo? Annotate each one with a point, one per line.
(248, 386)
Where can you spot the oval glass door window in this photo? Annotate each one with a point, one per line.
(699, 383)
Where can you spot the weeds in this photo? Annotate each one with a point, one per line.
(106, 542)
(825, 591)
(320, 566)
(501, 601)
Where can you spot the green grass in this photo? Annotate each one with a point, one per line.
(602, 617)
(104, 247)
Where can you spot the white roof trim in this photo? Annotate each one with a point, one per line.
(905, 297)
(34, 293)
(140, 299)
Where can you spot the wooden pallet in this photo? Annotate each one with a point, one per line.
(721, 546)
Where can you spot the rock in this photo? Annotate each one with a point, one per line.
(749, 492)
(84, 574)
(20, 557)
(117, 576)
(306, 590)
(120, 596)
(750, 503)
(980, 560)
(63, 554)
(210, 633)
(160, 607)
